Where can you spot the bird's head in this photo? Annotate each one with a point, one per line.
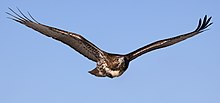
(117, 65)
(112, 67)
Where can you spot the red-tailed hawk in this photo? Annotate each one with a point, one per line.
(108, 64)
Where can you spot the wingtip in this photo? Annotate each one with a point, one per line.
(20, 16)
(203, 24)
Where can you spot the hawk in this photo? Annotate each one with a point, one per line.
(107, 64)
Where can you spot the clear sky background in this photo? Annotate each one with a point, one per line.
(37, 69)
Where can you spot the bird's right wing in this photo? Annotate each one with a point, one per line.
(73, 40)
(170, 41)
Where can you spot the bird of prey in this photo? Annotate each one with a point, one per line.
(107, 64)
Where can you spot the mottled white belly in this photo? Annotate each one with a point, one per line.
(115, 73)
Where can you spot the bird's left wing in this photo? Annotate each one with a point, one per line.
(73, 40)
(203, 24)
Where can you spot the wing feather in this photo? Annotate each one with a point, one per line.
(75, 41)
(170, 41)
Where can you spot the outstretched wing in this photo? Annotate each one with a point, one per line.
(170, 41)
(74, 40)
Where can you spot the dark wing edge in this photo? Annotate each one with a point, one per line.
(75, 41)
(202, 26)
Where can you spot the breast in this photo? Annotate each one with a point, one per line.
(114, 73)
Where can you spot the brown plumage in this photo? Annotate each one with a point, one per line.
(108, 64)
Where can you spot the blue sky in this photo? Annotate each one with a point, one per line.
(37, 69)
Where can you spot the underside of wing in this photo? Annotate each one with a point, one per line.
(73, 40)
(203, 24)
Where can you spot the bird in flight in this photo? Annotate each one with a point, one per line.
(107, 64)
